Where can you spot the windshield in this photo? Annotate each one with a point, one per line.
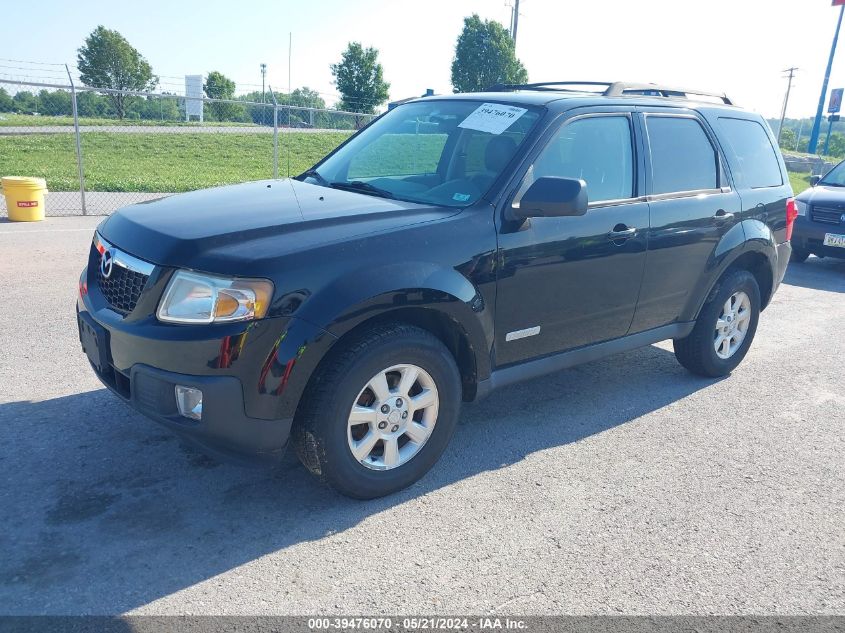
(447, 153)
(835, 177)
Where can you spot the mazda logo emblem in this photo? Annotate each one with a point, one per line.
(106, 264)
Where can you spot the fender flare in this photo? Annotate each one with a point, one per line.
(748, 236)
(361, 295)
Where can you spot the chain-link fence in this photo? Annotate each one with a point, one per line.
(102, 149)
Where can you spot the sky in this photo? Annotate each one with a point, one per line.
(739, 47)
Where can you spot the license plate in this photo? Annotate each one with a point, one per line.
(833, 239)
(93, 338)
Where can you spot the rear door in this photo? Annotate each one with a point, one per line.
(692, 206)
(756, 170)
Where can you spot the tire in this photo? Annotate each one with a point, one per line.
(697, 352)
(323, 433)
(799, 255)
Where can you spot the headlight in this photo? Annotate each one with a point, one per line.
(199, 298)
(801, 206)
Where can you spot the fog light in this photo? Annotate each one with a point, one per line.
(189, 401)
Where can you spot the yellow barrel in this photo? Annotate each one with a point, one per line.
(24, 198)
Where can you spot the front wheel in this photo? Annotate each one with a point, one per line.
(724, 329)
(380, 413)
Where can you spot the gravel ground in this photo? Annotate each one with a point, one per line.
(622, 486)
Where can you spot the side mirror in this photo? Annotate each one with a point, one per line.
(553, 197)
(814, 180)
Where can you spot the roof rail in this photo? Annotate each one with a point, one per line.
(614, 89)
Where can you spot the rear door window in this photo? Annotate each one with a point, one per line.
(682, 157)
(757, 164)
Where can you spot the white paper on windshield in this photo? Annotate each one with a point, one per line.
(492, 117)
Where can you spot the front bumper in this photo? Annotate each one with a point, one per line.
(252, 374)
(808, 235)
(225, 430)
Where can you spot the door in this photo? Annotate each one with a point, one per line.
(569, 281)
(692, 207)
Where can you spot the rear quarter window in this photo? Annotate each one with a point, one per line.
(756, 162)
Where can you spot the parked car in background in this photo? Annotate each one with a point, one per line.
(820, 226)
(456, 245)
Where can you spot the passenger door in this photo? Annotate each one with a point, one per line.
(692, 207)
(564, 282)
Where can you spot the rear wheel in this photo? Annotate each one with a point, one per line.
(799, 255)
(724, 329)
(380, 413)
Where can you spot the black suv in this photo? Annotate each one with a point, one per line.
(455, 245)
(820, 225)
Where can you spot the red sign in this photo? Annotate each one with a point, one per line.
(838, 3)
(33, 203)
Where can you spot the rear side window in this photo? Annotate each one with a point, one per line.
(757, 162)
(682, 157)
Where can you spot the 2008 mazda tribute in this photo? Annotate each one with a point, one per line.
(455, 245)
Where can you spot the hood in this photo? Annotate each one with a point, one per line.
(823, 194)
(222, 229)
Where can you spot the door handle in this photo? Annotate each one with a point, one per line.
(620, 233)
(722, 216)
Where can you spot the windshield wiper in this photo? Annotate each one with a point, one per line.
(313, 173)
(362, 187)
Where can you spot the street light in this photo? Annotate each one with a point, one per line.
(263, 74)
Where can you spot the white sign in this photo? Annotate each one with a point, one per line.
(492, 117)
(193, 94)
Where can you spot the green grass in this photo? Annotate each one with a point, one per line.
(159, 162)
(799, 182)
(150, 162)
(27, 120)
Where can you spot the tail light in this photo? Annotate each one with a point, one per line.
(791, 214)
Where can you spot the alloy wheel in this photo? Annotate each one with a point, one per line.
(732, 325)
(392, 417)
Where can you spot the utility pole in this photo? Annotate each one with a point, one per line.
(510, 26)
(791, 72)
(814, 135)
(515, 20)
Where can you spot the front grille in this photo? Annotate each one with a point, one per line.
(122, 288)
(827, 215)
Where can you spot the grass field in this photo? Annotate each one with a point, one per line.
(150, 162)
(799, 182)
(159, 162)
(27, 120)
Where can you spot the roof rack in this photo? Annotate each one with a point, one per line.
(613, 89)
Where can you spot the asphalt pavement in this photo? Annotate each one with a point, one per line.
(623, 486)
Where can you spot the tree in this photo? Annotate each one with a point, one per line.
(25, 102)
(6, 103)
(360, 79)
(107, 60)
(219, 86)
(55, 103)
(485, 55)
(787, 139)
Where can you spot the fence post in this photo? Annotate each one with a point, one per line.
(275, 134)
(78, 141)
